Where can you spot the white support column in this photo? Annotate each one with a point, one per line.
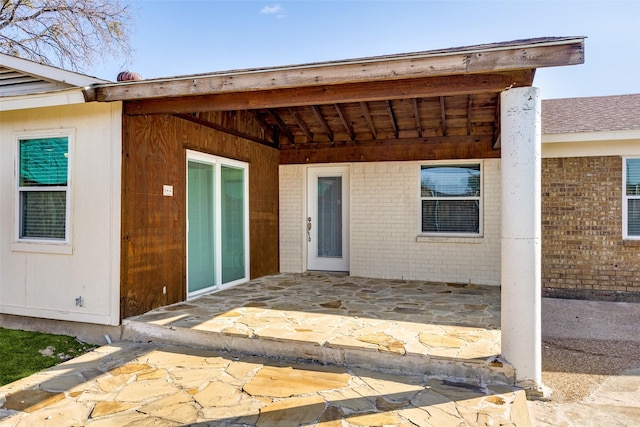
(521, 138)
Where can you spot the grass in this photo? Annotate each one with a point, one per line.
(24, 353)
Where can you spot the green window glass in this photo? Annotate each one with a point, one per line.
(43, 187)
(217, 223)
(202, 248)
(232, 212)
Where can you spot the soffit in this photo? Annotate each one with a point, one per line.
(14, 82)
(19, 76)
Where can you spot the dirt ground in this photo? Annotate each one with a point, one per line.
(574, 368)
(591, 362)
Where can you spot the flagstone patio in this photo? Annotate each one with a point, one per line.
(397, 326)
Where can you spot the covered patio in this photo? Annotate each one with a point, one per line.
(379, 119)
(444, 330)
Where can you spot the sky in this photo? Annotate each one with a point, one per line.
(182, 37)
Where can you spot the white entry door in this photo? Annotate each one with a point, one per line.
(327, 219)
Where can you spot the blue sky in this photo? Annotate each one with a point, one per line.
(187, 37)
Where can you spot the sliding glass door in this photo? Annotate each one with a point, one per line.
(217, 223)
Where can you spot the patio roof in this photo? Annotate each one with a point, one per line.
(358, 108)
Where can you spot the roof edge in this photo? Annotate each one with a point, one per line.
(474, 59)
(48, 72)
(487, 47)
(70, 96)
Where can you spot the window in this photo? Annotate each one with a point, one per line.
(43, 188)
(451, 199)
(631, 196)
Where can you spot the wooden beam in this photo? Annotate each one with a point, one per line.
(367, 116)
(469, 104)
(523, 55)
(416, 115)
(281, 125)
(345, 122)
(323, 122)
(392, 117)
(301, 124)
(443, 116)
(220, 128)
(436, 148)
(323, 95)
(497, 126)
(268, 130)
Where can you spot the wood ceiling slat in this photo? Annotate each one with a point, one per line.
(367, 117)
(301, 123)
(495, 144)
(443, 116)
(268, 130)
(346, 124)
(323, 122)
(469, 110)
(281, 125)
(392, 118)
(416, 115)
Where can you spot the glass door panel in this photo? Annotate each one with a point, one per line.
(201, 229)
(329, 240)
(233, 229)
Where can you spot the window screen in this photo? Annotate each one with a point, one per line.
(42, 187)
(632, 197)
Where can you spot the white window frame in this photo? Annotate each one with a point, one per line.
(43, 245)
(625, 200)
(478, 198)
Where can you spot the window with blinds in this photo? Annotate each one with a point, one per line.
(451, 199)
(631, 192)
(43, 188)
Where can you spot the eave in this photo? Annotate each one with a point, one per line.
(435, 104)
(520, 55)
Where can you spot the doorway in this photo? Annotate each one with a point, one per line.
(327, 222)
(217, 223)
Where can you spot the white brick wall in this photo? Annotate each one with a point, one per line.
(292, 214)
(385, 222)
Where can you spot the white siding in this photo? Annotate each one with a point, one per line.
(40, 284)
(385, 222)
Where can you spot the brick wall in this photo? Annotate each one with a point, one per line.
(583, 254)
(292, 213)
(385, 221)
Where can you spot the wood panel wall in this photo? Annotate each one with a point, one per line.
(153, 225)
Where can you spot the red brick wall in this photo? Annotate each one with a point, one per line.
(583, 254)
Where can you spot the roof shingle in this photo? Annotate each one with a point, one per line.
(592, 114)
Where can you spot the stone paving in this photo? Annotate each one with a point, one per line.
(343, 351)
(136, 384)
(404, 326)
